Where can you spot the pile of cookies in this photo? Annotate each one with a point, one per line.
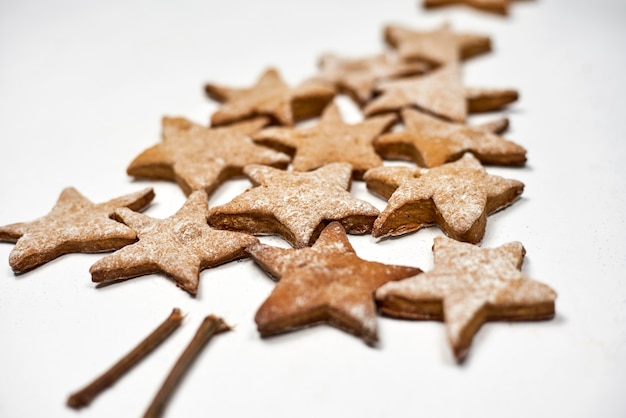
(415, 108)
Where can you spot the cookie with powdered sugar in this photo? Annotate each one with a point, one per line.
(500, 7)
(357, 76)
(179, 246)
(431, 142)
(440, 92)
(467, 287)
(74, 225)
(326, 283)
(456, 196)
(331, 140)
(425, 45)
(270, 96)
(201, 158)
(295, 206)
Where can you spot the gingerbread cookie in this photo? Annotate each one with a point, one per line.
(357, 76)
(427, 45)
(431, 142)
(271, 97)
(179, 246)
(467, 287)
(74, 225)
(294, 205)
(326, 283)
(331, 140)
(500, 7)
(496, 126)
(488, 100)
(440, 92)
(456, 196)
(200, 158)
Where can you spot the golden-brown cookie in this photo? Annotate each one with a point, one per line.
(295, 205)
(426, 46)
(456, 196)
(431, 142)
(271, 97)
(326, 283)
(357, 76)
(439, 92)
(467, 287)
(74, 225)
(200, 158)
(488, 100)
(331, 140)
(179, 246)
(472, 44)
(500, 7)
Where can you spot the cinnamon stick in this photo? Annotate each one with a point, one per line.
(84, 396)
(211, 326)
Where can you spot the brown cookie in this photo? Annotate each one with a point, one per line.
(200, 158)
(326, 283)
(467, 287)
(271, 97)
(331, 140)
(500, 7)
(294, 205)
(426, 46)
(456, 196)
(488, 100)
(357, 76)
(179, 246)
(74, 225)
(431, 142)
(440, 92)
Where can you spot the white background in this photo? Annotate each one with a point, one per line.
(83, 87)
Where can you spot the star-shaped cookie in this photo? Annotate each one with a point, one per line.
(489, 99)
(74, 225)
(500, 7)
(457, 196)
(439, 92)
(179, 246)
(326, 283)
(331, 140)
(467, 287)
(200, 158)
(431, 142)
(271, 97)
(295, 205)
(357, 76)
(436, 47)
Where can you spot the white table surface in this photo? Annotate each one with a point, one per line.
(83, 87)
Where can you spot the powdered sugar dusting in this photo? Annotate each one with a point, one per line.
(201, 158)
(440, 92)
(438, 141)
(358, 75)
(459, 192)
(328, 277)
(179, 246)
(467, 278)
(74, 225)
(300, 202)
